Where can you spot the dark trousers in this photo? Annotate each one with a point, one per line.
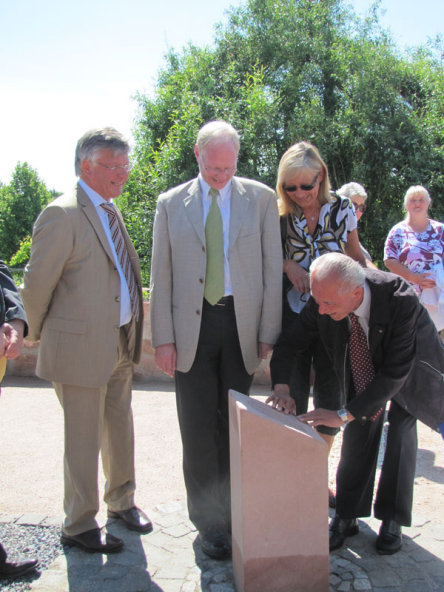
(356, 471)
(3, 555)
(326, 390)
(202, 407)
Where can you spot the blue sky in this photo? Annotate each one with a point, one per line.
(69, 66)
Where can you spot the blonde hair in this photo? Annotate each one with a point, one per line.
(301, 156)
(416, 190)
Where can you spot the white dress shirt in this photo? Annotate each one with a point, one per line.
(363, 310)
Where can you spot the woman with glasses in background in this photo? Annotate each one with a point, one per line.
(313, 221)
(358, 196)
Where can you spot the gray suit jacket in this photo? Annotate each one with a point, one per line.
(72, 294)
(179, 262)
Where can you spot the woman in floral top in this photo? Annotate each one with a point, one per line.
(313, 221)
(414, 248)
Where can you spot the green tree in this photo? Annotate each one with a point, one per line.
(20, 203)
(286, 70)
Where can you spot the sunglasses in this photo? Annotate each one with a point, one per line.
(293, 188)
(360, 208)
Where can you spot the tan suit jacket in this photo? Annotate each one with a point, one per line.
(179, 262)
(72, 294)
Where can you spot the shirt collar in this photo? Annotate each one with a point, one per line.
(363, 309)
(95, 197)
(224, 193)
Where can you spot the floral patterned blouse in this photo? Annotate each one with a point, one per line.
(336, 220)
(420, 252)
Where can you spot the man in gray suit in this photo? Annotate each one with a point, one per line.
(216, 283)
(83, 297)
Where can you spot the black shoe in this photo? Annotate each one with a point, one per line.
(331, 499)
(93, 541)
(340, 529)
(389, 540)
(134, 519)
(215, 543)
(11, 569)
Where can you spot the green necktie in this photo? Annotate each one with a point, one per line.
(214, 238)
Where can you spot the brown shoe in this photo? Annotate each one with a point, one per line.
(93, 541)
(134, 519)
(16, 569)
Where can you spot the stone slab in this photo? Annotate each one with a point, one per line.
(279, 479)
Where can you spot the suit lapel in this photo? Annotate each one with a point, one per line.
(193, 209)
(89, 210)
(240, 203)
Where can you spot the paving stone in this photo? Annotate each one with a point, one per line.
(362, 584)
(177, 531)
(31, 519)
(52, 521)
(170, 507)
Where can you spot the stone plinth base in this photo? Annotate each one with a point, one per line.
(279, 497)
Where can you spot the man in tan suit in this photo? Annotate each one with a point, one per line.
(82, 294)
(215, 311)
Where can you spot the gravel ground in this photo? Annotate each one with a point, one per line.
(28, 542)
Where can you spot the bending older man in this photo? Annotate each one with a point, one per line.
(369, 319)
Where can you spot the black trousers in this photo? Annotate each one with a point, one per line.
(202, 407)
(3, 555)
(326, 390)
(356, 471)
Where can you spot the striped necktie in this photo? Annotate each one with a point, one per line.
(214, 239)
(361, 362)
(123, 256)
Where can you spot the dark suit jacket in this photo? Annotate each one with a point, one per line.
(407, 353)
(11, 306)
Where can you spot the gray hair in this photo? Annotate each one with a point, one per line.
(351, 189)
(99, 139)
(416, 190)
(340, 267)
(219, 131)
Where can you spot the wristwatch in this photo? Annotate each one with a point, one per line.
(342, 414)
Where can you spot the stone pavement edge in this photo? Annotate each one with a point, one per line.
(170, 558)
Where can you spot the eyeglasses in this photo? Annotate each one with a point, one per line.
(217, 171)
(118, 167)
(359, 208)
(293, 188)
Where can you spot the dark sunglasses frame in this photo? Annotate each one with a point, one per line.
(293, 188)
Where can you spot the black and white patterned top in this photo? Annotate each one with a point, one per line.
(336, 220)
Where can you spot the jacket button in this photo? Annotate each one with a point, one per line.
(117, 298)
(201, 281)
(198, 312)
(364, 418)
(203, 249)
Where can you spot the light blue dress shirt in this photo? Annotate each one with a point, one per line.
(125, 301)
(224, 203)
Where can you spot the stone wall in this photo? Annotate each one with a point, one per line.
(146, 371)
